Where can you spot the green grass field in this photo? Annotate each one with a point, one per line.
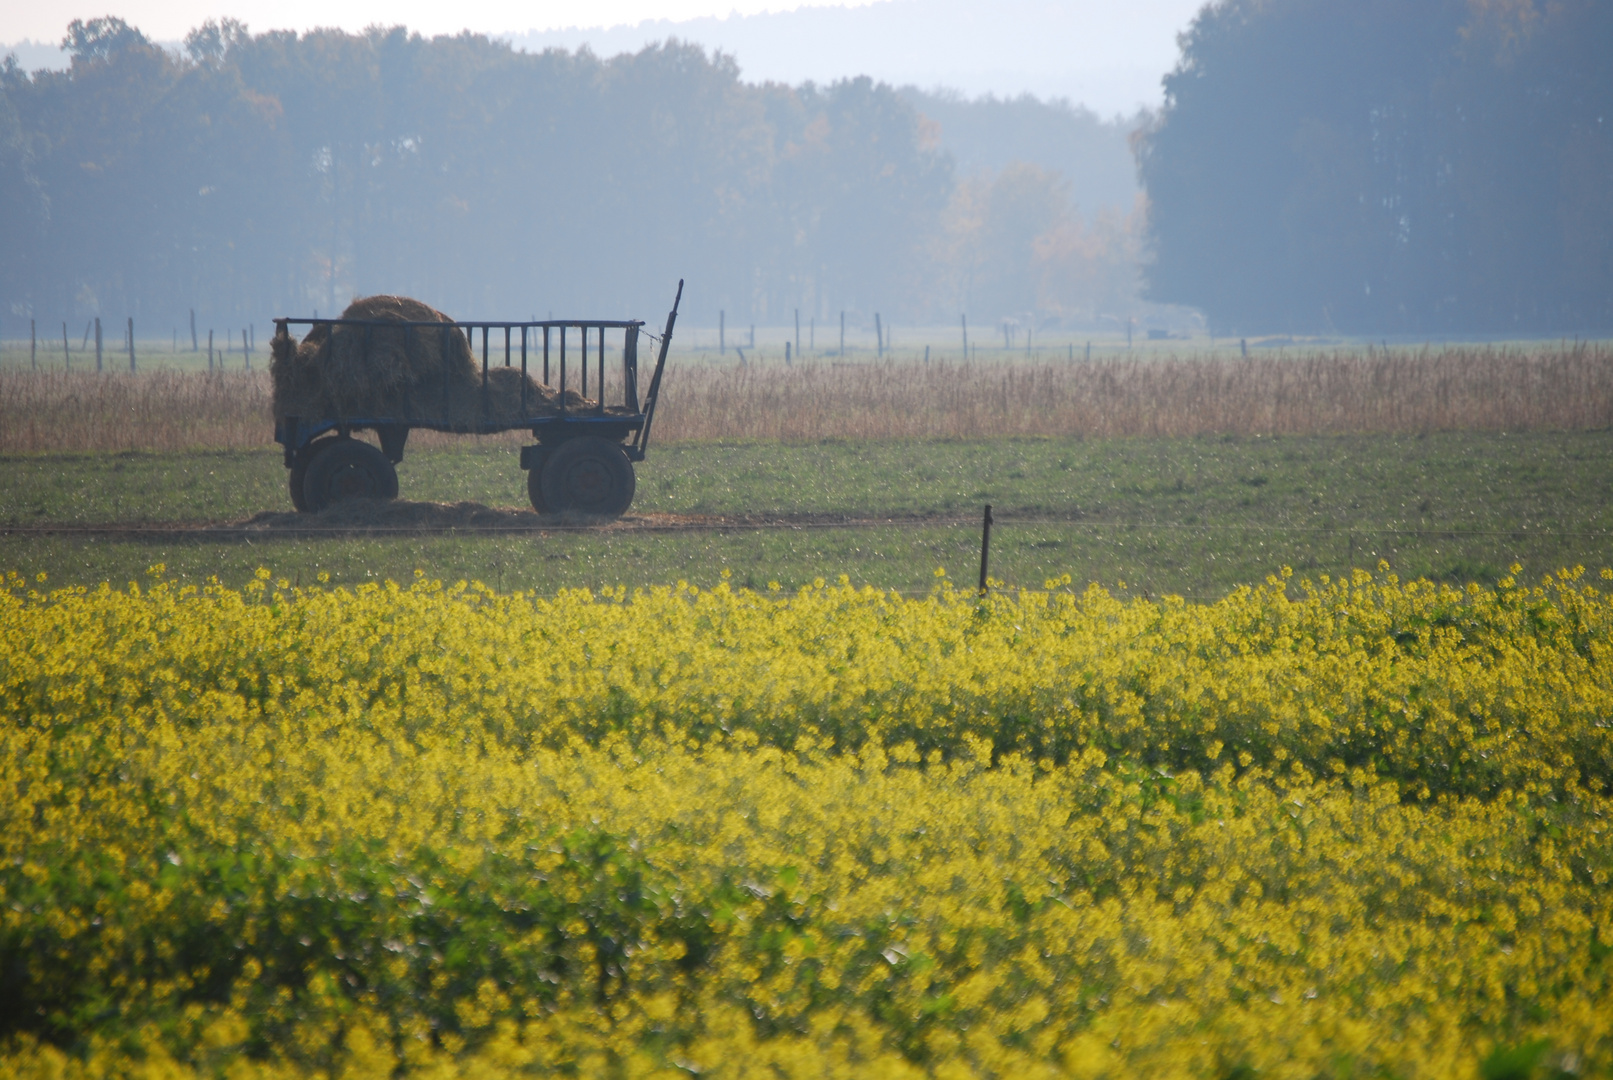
(1191, 516)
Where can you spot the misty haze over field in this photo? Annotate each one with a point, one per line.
(1438, 167)
(1108, 58)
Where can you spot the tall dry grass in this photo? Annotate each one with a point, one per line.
(163, 410)
(1475, 388)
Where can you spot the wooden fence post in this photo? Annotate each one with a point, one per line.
(67, 356)
(965, 319)
(246, 352)
(98, 344)
(985, 547)
(879, 338)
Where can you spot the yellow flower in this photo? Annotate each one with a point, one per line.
(436, 829)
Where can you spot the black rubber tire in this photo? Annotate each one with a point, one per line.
(299, 471)
(534, 489)
(349, 469)
(588, 475)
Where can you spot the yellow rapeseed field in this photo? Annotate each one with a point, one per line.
(1344, 829)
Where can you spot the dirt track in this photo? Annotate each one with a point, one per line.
(404, 517)
(374, 518)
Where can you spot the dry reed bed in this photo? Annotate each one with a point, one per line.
(1463, 388)
(1474, 389)
(163, 410)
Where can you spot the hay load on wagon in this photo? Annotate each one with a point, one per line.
(416, 373)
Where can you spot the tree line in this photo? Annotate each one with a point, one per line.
(269, 173)
(1437, 166)
(1383, 167)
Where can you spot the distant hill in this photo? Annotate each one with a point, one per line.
(49, 55)
(35, 55)
(1108, 57)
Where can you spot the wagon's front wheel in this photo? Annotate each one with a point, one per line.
(348, 469)
(588, 475)
(299, 470)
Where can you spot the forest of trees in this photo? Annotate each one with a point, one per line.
(260, 174)
(1377, 167)
(1439, 166)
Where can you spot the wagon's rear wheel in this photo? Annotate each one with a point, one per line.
(588, 475)
(348, 469)
(299, 469)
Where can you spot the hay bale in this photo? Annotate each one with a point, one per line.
(415, 373)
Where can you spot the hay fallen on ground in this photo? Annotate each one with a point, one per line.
(408, 515)
(415, 373)
(404, 515)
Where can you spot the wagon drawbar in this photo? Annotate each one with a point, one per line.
(582, 460)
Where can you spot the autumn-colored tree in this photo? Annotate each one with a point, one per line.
(1015, 246)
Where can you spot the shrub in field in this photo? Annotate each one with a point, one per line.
(1341, 829)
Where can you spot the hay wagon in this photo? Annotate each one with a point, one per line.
(582, 460)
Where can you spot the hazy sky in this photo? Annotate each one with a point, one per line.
(170, 19)
(1106, 55)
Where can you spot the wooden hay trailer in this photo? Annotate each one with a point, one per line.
(582, 460)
